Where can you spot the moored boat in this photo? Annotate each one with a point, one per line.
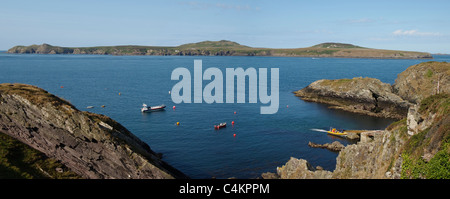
(221, 125)
(146, 108)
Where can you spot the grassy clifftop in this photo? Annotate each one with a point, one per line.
(227, 48)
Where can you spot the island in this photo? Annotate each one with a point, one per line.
(227, 48)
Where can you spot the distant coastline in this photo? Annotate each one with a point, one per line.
(227, 48)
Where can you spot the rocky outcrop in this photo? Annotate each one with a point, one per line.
(371, 157)
(335, 146)
(298, 169)
(91, 145)
(359, 95)
(392, 153)
(372, 97)
(422, 80)
(416, 146)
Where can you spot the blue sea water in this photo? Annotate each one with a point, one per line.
(262, 142)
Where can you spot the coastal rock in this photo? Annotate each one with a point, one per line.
(91, 145)
(335, 146)
(417, 146)
(359, 95)
(422, 80)
(352, 136)
(391, 153)
(413, 120)
(301, 169)
(369, 158)
(269, 175)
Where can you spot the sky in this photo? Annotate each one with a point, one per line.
(394, 24)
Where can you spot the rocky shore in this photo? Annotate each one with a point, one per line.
(372, 97)
(415, 149)
(335, 146)
(359, 95)
(93, 146)
(416, 146)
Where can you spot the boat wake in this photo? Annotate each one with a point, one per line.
(319, 130)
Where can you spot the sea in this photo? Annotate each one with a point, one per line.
(255, 144)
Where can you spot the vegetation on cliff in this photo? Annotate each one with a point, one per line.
(392, 153)
(226, 48)
(416, 146)
(18, 160)
(427, 154)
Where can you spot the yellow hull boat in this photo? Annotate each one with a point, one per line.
(336, 132)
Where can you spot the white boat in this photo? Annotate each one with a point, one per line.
(146, 108)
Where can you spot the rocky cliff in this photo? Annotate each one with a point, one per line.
(91, 145)
(359, 95)
(417, 146)
(392, 153)
(422, 80)
(372, 97)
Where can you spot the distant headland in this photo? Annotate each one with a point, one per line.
(227, 48)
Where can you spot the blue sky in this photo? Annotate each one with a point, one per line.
(394, 24)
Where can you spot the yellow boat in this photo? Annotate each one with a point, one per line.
(334, 131)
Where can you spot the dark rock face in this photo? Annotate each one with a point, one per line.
(92, 145)
(360, 95)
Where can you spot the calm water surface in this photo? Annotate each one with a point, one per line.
(262, 142)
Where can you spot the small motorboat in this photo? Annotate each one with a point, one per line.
(146, 108)
(221, 125)
(334, 131)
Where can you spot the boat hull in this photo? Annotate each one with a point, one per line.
(152, 109)
(344, 134)
(220, 126)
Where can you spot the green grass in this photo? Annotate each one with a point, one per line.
(429, 73)
(335, 45)
(437, 168)
(435, 138)
(432, 103)
(20, 161)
